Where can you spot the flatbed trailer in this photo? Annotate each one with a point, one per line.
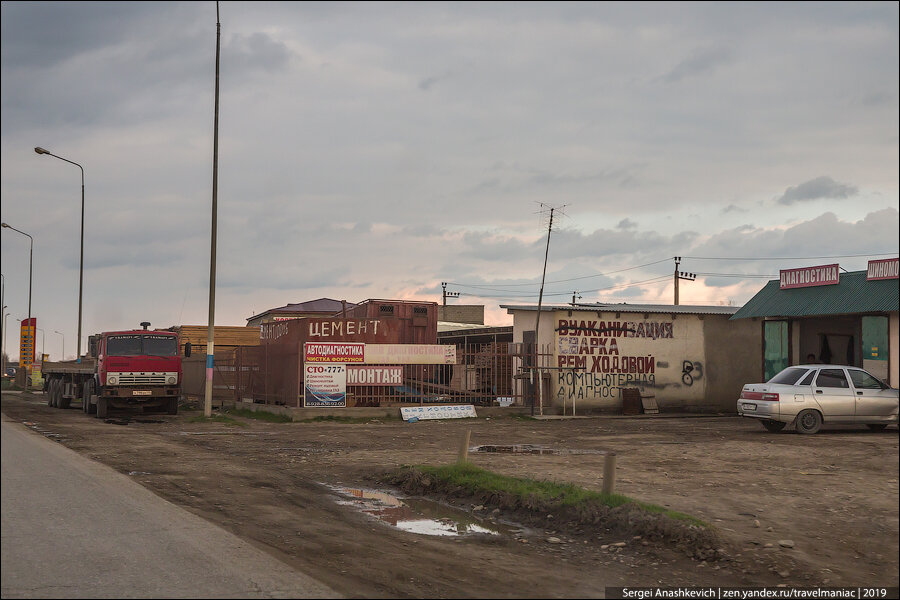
(65, 381)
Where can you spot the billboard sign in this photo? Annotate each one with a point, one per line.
(410, 354)
(887, 268)
(26, 342)
(809, 276)
(421, 413)
(323, 352)
(369, 375)
(325, 385)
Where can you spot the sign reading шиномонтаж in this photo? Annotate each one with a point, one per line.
(809, 276)
(886, 268)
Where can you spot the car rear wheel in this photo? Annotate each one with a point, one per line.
(877, 426)
(809, 421)
(774, 426)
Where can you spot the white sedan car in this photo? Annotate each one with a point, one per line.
(809, 395)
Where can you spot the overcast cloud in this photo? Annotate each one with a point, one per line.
(377, 149)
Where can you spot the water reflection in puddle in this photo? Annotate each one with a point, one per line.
(417, 515)
(531, 449)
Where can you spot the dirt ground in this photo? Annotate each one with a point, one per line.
(834, 495)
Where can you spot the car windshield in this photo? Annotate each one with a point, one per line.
(789, 376)
(141, 345)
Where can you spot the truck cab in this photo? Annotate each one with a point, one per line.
(136, 368)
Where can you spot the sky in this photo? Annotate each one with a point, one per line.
(376, 150)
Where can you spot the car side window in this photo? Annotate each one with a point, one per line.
(832, 378)
(808, 379)
(864, 381)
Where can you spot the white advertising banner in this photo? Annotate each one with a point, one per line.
(421, 413)
(325, 385)
(410, 354)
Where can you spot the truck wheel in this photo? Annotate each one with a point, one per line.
(57, 392)
(51, 390)
(173, 405)
(63, 402)
(102, 407)
(86, 391)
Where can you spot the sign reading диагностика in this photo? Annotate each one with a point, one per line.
(809, 276)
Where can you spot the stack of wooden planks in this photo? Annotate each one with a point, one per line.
(228, 341)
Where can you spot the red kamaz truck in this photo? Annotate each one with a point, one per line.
(137, 369)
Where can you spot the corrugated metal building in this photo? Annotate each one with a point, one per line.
(323, 307)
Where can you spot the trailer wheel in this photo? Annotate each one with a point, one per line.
(102, 407)
(51, 391)
(57, 393)
(63, 402)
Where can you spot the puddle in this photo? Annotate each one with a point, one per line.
(532, 449)
(418, 515)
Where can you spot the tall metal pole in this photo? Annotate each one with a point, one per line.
(537, 326)
(62, 355)
(210, 332)
(30, 273)
(40, 150)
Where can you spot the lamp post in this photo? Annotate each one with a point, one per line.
(40, 150)
(62, 354)
(3, 340)
(43, 342)
(30, 272)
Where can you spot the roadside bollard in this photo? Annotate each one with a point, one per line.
(609, 473)
(464, 449)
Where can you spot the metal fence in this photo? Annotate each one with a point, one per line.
(484, 374)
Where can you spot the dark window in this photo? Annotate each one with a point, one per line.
(808, 379)
(864, 381)
(386, 309)
(832, 378)
(420, 310)
(141, 345)
(160, 345)
(788, 376)
(123, 345)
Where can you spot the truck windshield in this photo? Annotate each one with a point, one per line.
(141, 345)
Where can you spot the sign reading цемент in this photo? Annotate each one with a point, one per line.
(810, 276)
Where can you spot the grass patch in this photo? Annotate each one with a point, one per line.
(479, 481)
(260, 415)
(224, 419)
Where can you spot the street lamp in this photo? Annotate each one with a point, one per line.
(63, 353)
(43, 344)
(40, 150)
(30, 271)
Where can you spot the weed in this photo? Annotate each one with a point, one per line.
(260, 415)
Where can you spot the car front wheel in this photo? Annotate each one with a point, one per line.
(809, 421)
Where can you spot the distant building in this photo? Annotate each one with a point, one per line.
(688, 357)
(461, 313)
(323, 307)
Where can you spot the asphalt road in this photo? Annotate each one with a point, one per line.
(74, 528)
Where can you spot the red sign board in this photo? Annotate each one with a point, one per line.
(810, 276)
(335, 352)
(26, 342)
(886, 268)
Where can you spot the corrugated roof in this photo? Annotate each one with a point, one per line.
(326, 306)
(851, 295)
(681, 309)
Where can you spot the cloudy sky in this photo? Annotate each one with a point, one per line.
(375, 150)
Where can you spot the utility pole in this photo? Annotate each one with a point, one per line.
(447, 294)
(537, 325)
(211, 328)
(681, 275)
(574, 295)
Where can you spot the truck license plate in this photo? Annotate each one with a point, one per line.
(141, 393)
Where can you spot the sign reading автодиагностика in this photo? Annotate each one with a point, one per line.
(810, 276)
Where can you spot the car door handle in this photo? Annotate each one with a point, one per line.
(818, 391)
(859, 393)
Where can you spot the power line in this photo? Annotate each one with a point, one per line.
(789, 257)
(561, 280)
(614, 287)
